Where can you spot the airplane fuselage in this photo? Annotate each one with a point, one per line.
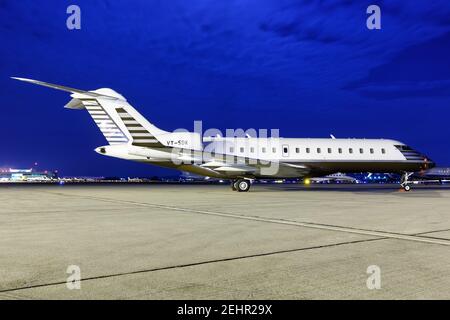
(297, 157)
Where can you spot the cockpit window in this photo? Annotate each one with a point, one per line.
(410, 153)
(404, 148)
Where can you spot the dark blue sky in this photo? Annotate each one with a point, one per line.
(310, 68)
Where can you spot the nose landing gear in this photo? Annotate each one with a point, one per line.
(405, 181)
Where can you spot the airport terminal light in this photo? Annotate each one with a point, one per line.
(26, 175)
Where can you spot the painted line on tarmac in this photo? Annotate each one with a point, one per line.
(193, 264)
(366, 232)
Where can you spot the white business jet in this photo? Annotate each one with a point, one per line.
(240, 159)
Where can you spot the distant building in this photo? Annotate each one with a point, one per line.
(23, 175)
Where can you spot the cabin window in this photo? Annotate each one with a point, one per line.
(252, 150)
(297, 150)
(371, 150)
(285, 150)
(350, 150)
(307, 150)
(274, 150)
(340, 150)
(231, 149)
(318, 150)
(361, 150)
(242, 150)
(329, 150)
(263, 150)
(383, 151)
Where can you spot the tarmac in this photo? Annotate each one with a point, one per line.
(208, 242)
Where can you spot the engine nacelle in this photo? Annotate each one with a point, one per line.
(151, 154)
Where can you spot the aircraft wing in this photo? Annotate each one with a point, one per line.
(245, 167)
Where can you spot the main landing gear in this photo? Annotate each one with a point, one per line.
(405, 181)
(240, 185)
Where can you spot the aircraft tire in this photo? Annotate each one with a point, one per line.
(243, 185)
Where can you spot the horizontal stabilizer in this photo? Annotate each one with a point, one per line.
(63, 88)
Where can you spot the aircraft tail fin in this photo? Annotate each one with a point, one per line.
(118, 121)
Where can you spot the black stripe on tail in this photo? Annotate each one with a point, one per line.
(141, 137)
